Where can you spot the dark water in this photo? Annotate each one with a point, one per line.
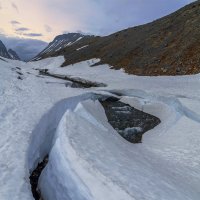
(129, 122)
(34, 177)
(73, 81)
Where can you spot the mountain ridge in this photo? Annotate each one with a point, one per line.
(59, 43)
(167, 46)
(13, 54)
(3, 51)
(10, 54)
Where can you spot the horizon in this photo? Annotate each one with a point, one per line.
(22, 28)
(19, 22)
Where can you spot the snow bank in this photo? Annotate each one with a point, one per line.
(68, 175)
(43, 134)
(87, 158)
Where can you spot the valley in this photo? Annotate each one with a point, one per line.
(107, 110)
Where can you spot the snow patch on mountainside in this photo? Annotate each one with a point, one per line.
(82, 47)
(60, 42)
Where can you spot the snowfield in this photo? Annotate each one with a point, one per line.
(88, 159)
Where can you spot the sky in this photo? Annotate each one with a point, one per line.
(32, 21)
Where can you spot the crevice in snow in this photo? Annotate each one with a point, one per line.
(43, 134)
(76, 82)
(47, 139)
(129, 122)
(34, 178)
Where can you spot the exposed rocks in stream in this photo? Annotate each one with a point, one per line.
(74, 82)
(129, 122)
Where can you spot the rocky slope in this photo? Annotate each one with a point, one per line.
(10, 54)
(13, 55)
(3, 51)
(59, 43)
(168, 46)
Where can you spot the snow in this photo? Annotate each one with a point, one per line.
(74, 164)
(11, 55)
(68, 44)
(82, 47)
(88, 159)
(58, 49)
(78, 39)
(56, 46)
(22, 104)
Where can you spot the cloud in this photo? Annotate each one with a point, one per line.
(104, 17)
(15, 22)
(99, 17)
(22, 29)
(1, 6)
(15, 6)
(33, 34)
(48, 28)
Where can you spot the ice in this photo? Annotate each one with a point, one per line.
(88, 159)
(89, 183)
(100, 156)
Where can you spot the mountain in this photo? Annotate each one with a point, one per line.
(10, 54)
(167, 46)
(26, 48)
(13, 54)
(3, 51)
(60, 42)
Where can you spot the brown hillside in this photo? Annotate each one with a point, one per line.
(168, 46)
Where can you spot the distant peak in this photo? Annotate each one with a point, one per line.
(3, 51)
(13, 54)
(68, 36)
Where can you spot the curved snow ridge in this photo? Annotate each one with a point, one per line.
(49, 139)
(89, 160)
(180, 108)
(172, 101)
(43, 134)
(68, 176)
